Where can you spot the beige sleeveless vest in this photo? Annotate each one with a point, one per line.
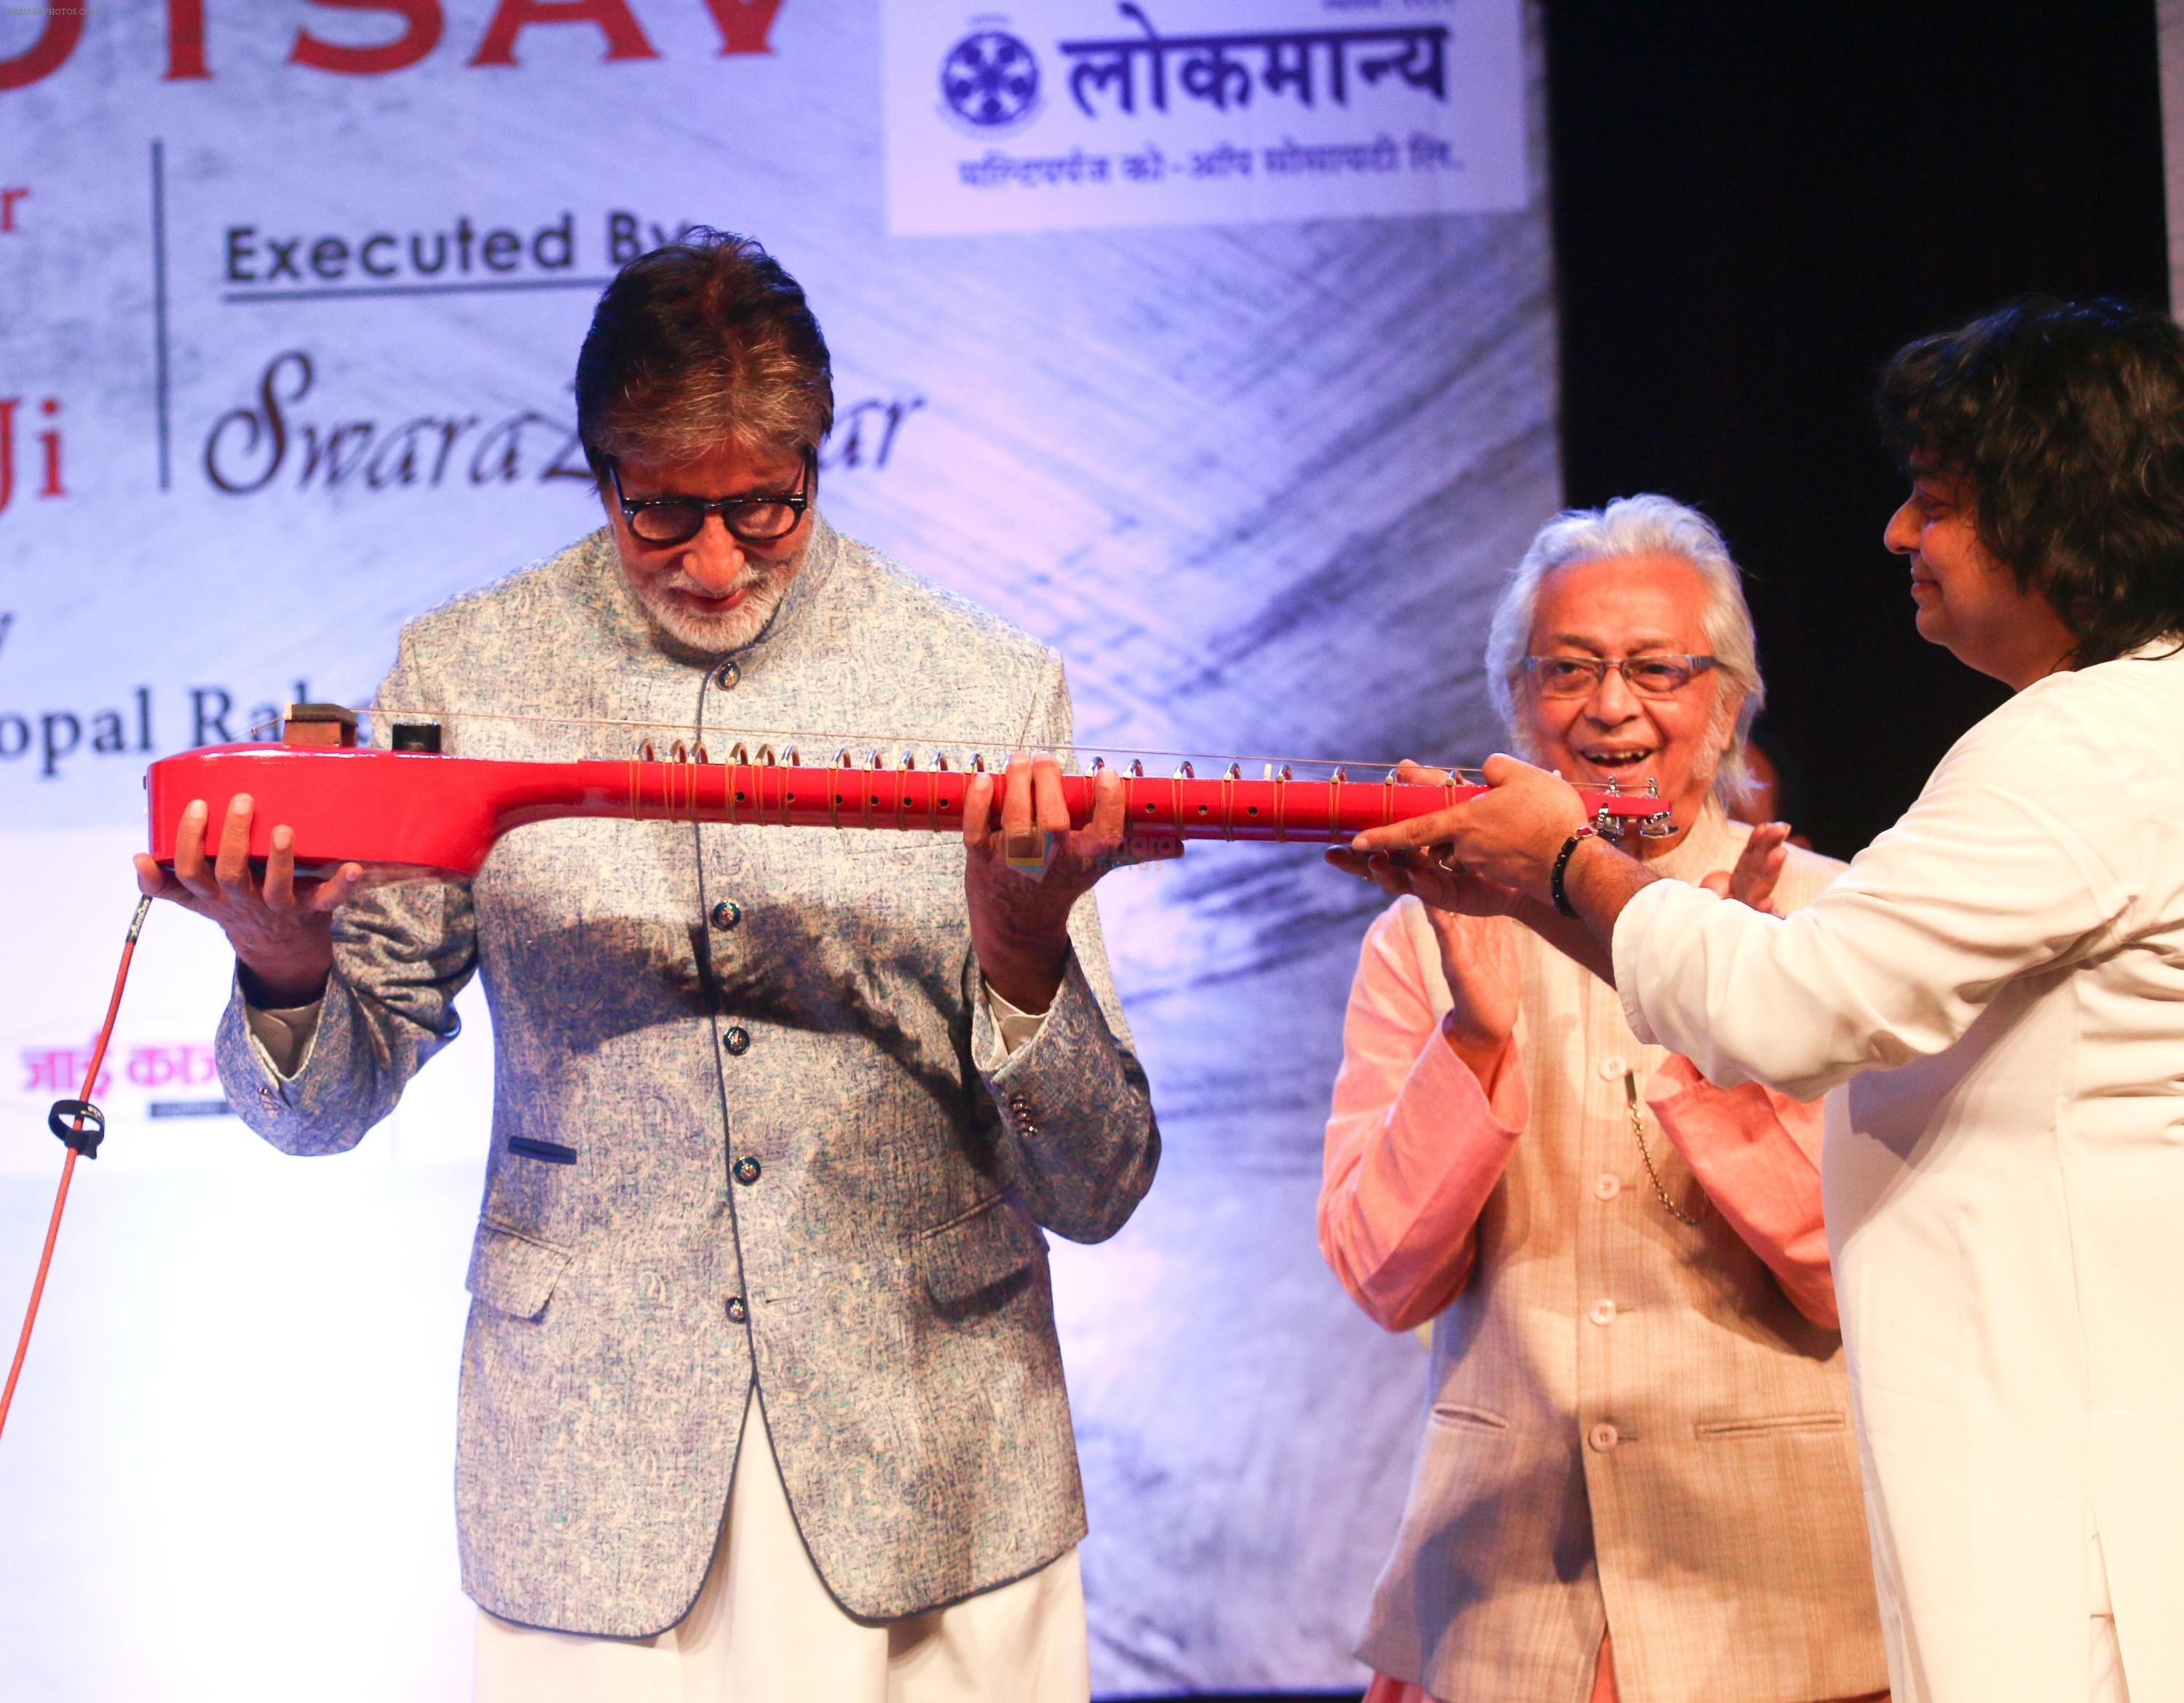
(1629, 1424)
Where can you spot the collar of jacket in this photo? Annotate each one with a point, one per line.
(1711, 844)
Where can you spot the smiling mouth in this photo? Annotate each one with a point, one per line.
(1618, 760)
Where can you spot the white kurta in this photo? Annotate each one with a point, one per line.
(1994, 995)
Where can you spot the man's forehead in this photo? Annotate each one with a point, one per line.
(1635, 640)
(1657, 601)
(726, 464)
(1926, 467)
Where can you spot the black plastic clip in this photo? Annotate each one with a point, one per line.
(86, 1140)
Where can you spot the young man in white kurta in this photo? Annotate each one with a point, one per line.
(1992, 992)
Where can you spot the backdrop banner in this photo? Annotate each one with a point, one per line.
(1212, 343)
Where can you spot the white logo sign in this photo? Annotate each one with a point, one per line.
(1066, 114)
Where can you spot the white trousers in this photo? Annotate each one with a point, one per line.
(764, 1630)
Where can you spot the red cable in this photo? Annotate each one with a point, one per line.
(68, 1166)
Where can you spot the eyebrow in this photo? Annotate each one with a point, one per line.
(1645, 646)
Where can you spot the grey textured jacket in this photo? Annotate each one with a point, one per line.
(750, 1119)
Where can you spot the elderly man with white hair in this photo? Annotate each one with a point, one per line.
(1637, 1479)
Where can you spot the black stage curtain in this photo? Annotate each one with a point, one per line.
(1754, 206)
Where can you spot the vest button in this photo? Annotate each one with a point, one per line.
(736, 1312)
(1603, 1437)
(1602, 1313)
(1611, 1067)
(737, 1040)
(727, 913)
(1607, 1185)
(725, 676)
(746, 1170)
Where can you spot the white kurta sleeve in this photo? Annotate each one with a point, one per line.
(2002, 867)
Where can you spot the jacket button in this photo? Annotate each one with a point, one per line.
(736, 1312)
(737, 1040)
(1603, 1436)
(747, 1170)
(727, 913)
(725, 676)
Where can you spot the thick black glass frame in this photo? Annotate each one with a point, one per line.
(1597, 666)
(797, 501)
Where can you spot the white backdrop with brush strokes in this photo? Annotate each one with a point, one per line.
(1258, 480)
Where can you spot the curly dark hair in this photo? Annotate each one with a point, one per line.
(2065, 420)
(702, 340)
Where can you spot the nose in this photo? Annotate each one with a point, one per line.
(713, 559)
(1612, 701)
(1901, 532)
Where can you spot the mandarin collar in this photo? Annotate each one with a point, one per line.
(1710, 843)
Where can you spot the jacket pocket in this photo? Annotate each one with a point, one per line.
(1454, 1413)
(1727, 1430)
(513, 1273)
(975, 1252)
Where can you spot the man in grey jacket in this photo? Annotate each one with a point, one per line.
(762, 1395)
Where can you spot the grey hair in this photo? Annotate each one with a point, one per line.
(1644, 525)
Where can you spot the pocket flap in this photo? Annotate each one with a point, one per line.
(514, 1274)
(978, 1250)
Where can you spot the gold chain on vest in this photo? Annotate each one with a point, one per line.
(1638, 1129)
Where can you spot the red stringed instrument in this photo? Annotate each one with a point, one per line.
(417, 807)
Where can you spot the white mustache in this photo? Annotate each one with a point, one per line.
(688, 588)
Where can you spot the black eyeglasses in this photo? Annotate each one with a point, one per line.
(760, 518)
(1657, 676)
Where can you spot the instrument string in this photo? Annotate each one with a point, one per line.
(897, 740)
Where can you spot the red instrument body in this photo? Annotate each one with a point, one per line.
(430, 812)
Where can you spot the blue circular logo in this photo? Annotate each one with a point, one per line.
(989, 79)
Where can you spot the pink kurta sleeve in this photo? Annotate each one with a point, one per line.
(1756, 1154)
(1415, 1143)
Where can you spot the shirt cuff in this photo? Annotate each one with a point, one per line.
(1016, 1028)
(284, 1036)
(1628, 949)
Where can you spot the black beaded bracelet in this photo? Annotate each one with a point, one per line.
(1555, 887)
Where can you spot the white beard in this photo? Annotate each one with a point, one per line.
(730, 630)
